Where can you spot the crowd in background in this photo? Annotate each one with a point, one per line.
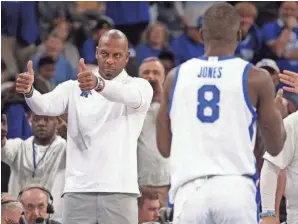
(55, 35)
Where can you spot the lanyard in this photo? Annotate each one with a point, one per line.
(35, 165)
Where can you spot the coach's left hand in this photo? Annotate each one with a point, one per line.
(87, 80)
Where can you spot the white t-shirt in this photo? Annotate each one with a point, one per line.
(288, 159)
(103, 130)
(18, 154)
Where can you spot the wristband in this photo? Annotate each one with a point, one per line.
(28, 95)
(267, 213)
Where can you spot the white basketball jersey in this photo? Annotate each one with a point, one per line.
(212, 121)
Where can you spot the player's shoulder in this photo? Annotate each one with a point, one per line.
(259, 76)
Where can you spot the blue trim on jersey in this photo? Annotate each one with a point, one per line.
(247, 100)
(221, 58)
(173, 89)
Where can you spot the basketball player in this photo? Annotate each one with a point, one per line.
(288, 160)
(207, 124)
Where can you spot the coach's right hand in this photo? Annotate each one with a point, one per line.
(25, 80)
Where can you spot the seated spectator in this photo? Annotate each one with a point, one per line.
(148, 205)
(281, 36)
(167, 58)
(273, 70)
(155, 39)
(89, 47)
(251, 41)
(190, 44)
(70, 52)
(54, 45)
(43, 80)
(11, 210)
(37, 159)
(38, 205)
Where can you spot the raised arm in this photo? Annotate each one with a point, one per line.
(270, 118)
(53, 103)
(163, 123)
(137, 94)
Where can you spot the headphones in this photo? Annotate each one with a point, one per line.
(50, 208)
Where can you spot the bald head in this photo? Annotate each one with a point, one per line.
(221, 23)
(116, 35)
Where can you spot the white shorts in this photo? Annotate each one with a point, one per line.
(218, 200)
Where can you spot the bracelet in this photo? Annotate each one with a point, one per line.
(100, 84)
(267, 213)
(28, 95)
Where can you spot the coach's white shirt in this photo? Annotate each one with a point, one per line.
(287, 159)
(103, 130)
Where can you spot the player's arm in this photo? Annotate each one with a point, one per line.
(163, 122)
(273, 164)
(270, 118)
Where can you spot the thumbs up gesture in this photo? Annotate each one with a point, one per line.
(25, 80)
(87, 80)
(281, 103)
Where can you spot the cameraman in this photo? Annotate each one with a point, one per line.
(153, 169)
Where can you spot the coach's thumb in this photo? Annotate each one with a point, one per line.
(83, 66)
(30, 68)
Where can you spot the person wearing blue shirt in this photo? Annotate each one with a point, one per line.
(130, 17)
(64, 71)
(251, 41)
(281, 36)
(189, 45)
(155, 40)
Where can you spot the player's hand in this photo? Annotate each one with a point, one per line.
(25, 80)
(281, 103)
(270, 220)
(291, 79)
(3, 129)
(292, 22)
(87, 80)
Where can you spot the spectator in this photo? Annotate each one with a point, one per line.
(148, 205)
(19, 32)
(251, 41)
(44, 78)
(11, 210)
(190, 44)
(54, 47)
(153, 169)
(271, 66)
(37, 159)
(131, 18)
(89, 46)
(70, 52)
(155, 39)
(167, 59)
(281, 36)
(38, 205)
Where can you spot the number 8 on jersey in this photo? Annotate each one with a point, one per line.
(208, 100)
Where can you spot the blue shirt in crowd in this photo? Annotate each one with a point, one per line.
(128, 13)
(271, 31)
(252, 43)
(63, 69)
(88, 51)
(145, 50)
(184, 49)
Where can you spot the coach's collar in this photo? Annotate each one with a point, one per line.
(119, 78)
